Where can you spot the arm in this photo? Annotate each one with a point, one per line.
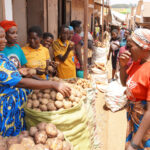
(144, 126)
(37, 84)
(79, 54)
(64, 57)
(110, 51)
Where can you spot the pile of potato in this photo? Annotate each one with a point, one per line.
(84, 83)
(45, 136)
(50, 100)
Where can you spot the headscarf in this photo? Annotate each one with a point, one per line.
(142, 38)
(7, 24)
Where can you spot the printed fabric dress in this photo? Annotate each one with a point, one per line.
(12, 99)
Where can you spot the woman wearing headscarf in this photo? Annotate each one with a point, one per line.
(12, 50)
(13, 93)
(137, 80)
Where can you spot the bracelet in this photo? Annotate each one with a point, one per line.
(135, 146)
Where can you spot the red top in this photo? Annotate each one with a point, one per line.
(138, 82)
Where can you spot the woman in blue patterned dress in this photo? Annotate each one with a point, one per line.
(13, 93)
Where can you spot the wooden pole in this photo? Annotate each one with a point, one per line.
(85, 37)
(103, 21)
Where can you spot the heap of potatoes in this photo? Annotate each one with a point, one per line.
(84, 83)
(45, 136)
(50, 100)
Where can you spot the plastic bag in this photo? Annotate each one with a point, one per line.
(72, 122)
(115, 96)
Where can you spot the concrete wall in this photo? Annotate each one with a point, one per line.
(19, 15)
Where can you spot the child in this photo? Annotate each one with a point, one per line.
(64, 54)
(12, 50)
(36, 54)
(47, 42)
(114, 49)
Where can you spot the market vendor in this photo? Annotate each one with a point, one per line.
(37, 55)
(12, 50)
(13, 95)
(64, 54)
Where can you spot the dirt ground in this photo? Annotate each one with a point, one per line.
(112, 126)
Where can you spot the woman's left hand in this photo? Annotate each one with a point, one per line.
(130, 148)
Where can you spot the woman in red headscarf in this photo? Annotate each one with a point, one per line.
(12, 50)
(137, 80)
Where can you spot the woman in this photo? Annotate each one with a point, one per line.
(78, 44)
(37, 55)
(12, 50)
(64, 54)
(114, 49)
(13, 95)
(137, 80)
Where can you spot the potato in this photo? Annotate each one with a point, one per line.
(39, 95)
(16, 147)
(66, 146)
(72, 98)
(47, 96)
(43, 107)
(40, 147)
(32, 131)
(32, 72)
(36, 91)
(51, 106)
(29, 101)
(25, 133)
(29, 105)
(27, 142)
(74, 103)
(41, 126)
(53, 95)
(48, 91)
(34, 97)
(56, 145)
(67, 104)
(59, 96)
(40, 137)
(12, 140)
(60, 135)
(58, 104)
(77, 99)
(36, 103)
(3, 145)
(30, 96)
(44, 101)
(51, 130)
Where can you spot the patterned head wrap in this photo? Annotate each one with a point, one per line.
(142, 38)
(7, 24)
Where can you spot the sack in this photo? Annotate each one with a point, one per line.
(115, 97)
(72, 122)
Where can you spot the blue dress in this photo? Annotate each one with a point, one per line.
(12, 99)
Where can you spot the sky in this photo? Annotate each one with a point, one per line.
(125, 1)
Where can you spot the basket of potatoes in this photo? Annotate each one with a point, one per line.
(50, 100)
(45, 136)
(84, 83)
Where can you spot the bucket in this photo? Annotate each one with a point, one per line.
(80, 74)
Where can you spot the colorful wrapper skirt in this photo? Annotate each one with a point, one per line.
(135, 113)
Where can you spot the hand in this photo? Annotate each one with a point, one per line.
(62, 88)
(130, 148)
(124, 58)
(40, 71)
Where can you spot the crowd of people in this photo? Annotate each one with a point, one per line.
(130, 56)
